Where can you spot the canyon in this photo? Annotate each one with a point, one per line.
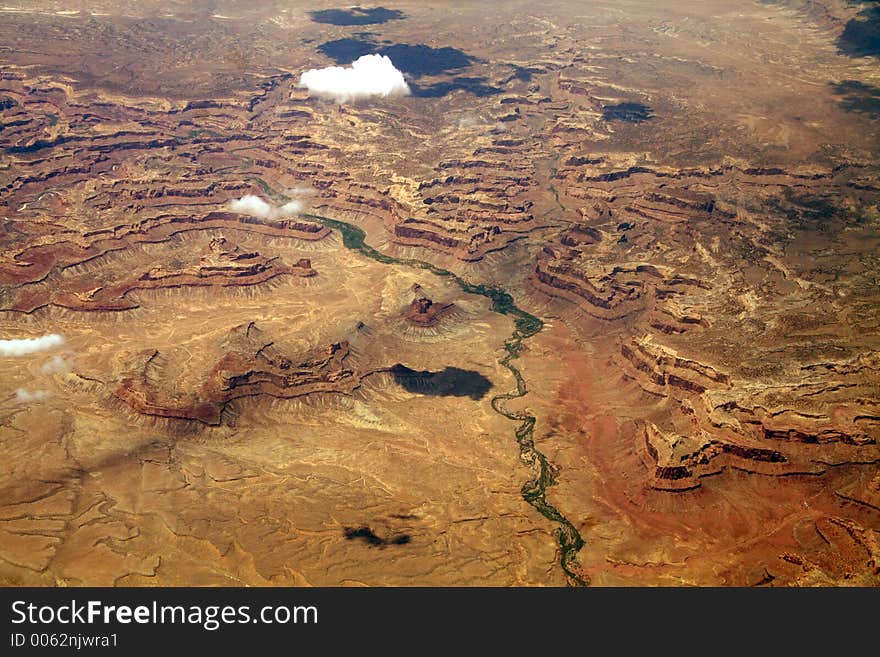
(597, 303)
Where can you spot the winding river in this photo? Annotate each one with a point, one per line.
(534, 491)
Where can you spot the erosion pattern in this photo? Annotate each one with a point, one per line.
(597, 303)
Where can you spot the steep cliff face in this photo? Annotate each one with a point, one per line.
(425, 312)
(222, 264)
(725, 311)
(249, 365)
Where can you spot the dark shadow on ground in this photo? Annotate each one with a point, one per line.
(345, 51)
(448, 382)
(628, 112)
(356, 16)
(858, 97)
(861, 35)
(812, 212)
(477, 86)
(369, 537)
(419, 60)
(523, 73)
(416, 61)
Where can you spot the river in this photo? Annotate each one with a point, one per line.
(534, 491)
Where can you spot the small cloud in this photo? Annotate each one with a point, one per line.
(23, 396)
(368, 75)
(54, 365)
(24, 346)
(250, 204)
(257, 207)
(290, 208)
(301, 191)
(470, 121)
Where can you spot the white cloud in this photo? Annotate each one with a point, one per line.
(257, 207)
(24, 346)
(55, 364)
(289, 208)
(26, 396)
(369, 75)
(250, 204)
(302, 190)
(471, 121)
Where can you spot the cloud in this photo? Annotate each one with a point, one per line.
(257, 207)
(302, 190)
(24, 346)
(250, 204)
(368, 75)
(471, 121)
(26, 396)
(290, 208)
(55, 364)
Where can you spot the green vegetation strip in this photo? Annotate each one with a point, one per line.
(534, 491)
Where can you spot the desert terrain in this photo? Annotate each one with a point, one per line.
(595, 302)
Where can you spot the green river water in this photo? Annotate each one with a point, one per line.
(534, 491)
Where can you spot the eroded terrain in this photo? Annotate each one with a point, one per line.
(596, 303)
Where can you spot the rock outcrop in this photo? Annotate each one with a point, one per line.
(249, 366)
